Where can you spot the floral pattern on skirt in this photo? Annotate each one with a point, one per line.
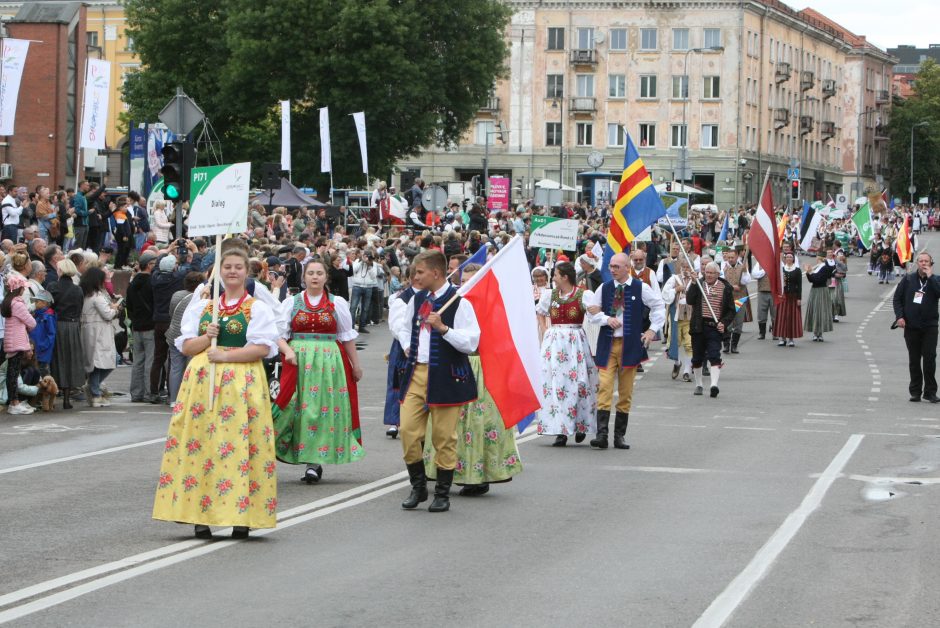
(486, 450)
(570, 383)
(218, 465)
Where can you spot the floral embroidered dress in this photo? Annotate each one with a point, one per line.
(570, 379)
(218, 466)
(486, 450)
(320, 422)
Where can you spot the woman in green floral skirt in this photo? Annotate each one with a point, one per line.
(486, 449)
(316, 414)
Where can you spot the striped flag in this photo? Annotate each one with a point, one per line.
(809, 225)
(782, 227)
(903, 245)
(723, 235)
(638, 205)
(739, 303)
(764, 242)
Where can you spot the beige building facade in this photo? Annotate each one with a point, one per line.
(745, 85)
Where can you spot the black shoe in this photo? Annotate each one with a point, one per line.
(203, 532)
(735, 338)
(474, 490)
(392, 432)
(932, 398)
(579, 437)
(363, 330)
(726, 347)
(675, 370)
(312, 475)
(698, 391)
(240, 532)
(139, 400)
(603, 420)
(67, 406)
(560, 441)
(639, 368)
(915, 398)
(714, 391)
(621, 419)
(419, 486)
(441, 501)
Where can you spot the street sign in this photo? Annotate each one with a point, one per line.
(553, 233)
(911, 189)
(181, 115)
(434, 199)
(219, 199)
(793, 174)
(842, 201)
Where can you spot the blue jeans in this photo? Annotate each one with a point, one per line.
(95, 378)
(139, 239)
(361, 297)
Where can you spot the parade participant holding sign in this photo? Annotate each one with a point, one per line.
(218, 465)
(316, 414)
(622, 343)
(437, 379)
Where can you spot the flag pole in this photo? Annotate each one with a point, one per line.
(216, 286)
(688, 261)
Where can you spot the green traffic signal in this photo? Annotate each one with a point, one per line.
(171, 191)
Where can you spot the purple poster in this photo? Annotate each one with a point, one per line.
(499, 193)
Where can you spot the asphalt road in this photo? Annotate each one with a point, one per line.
(806, 494)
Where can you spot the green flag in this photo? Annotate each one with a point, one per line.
(862, 220)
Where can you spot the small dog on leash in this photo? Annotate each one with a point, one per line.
(48, 389)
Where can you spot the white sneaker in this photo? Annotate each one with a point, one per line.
(19, 408)
(100, 402)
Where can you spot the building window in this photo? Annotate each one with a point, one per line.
(648, 39)
(709, 136)
(648, 86)
(91, 38)
(680, 86)
(617, 86)
(585, 133)
(679, 135)
(680, 39)
(585, 39)
(618, 39)
(553, 134)
(711, 89)
(648, 134)
(712, 38)
(556, 86)
(616, 136)
(585, 85)
(556, 38)
(129, 44)
(485, 129)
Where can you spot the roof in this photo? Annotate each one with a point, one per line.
(47, 12)
(910, 55)
(288, 196)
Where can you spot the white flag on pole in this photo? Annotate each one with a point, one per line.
(360, 118)
(14, 60)
(326, 158)
(285, 135)
(95, 103)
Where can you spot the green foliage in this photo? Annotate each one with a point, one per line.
(419, 69)
(922, 106)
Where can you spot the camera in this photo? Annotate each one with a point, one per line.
(181, 249)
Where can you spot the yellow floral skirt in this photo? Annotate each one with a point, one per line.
(219, 466)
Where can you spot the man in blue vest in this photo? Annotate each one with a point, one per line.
(437, 378)
(621, 345)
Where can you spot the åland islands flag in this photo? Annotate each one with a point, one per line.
(501, 295)
(637, 207)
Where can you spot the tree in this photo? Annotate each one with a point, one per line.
(419, 69)
(922, 106)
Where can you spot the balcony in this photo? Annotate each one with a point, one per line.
(827, 129)
(807, 80)
(881, 133)
(582, 105)
(782, 72)
(828, 88)
(781, 118)
(882, 96)
(806, 124)
(491, 105)
(586, 56)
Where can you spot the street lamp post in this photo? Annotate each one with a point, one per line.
(858, 151)
(911, 189)
(684, 132)
(486, 157)
(559, 103)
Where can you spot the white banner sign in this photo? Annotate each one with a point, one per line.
(360, 118)
(553, 233)
(842, 201)
(13, 60)
(326, 157)
(285, 135)
(219, 202)
(95, 103)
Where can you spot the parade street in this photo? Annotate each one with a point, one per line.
(805, 494)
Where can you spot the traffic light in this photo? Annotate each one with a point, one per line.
(669, 186)
(179, 158)
(795, 190)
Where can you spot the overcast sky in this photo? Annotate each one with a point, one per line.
(887, 24)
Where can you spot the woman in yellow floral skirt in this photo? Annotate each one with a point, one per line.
(219, 465)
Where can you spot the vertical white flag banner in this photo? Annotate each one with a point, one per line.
(285, 135)
(326, 158)
(13, 60)
(360, 119)
(95, 104)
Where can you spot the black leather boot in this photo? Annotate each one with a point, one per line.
(441, 501)
(726, 345)
(620, 430)
(762, 328)
(419, 486)
(603, 420)
(734, 342)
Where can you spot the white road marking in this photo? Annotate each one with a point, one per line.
(656, 407)
(678, 470)
(825, 421)
(100, 452)
(873, 398)
(816, 431)
(828, 414)
(755, 429)
(876, 390)
(886, 480)
(720, 610)
(96, 411)
(674, 425)
(885, 434)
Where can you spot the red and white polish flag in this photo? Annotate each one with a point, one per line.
(501, 295)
